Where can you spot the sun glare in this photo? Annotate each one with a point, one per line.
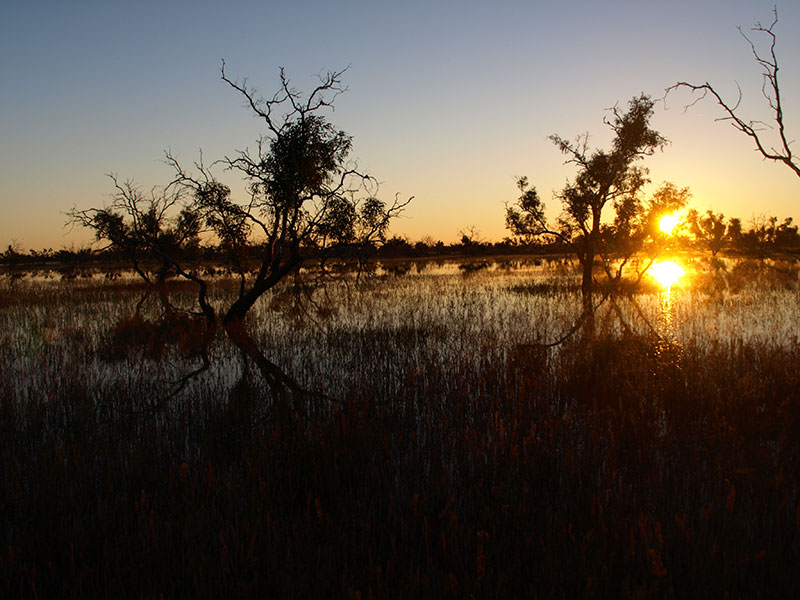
(666, 272)
(667, 223)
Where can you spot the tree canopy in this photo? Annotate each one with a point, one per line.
(604, 178)
(307, 202)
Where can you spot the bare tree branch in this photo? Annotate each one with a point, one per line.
(771, 91)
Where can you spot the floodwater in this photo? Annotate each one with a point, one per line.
(469, 312)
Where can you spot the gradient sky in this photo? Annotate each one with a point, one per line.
(447, 101)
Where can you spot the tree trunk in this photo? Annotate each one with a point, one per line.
(283, 387)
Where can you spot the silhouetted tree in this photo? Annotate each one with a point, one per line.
(470, 237)
(765, 235)
(735, 232)
(759, 239)
(786, 235)
(708, 229)
(771, 90)
(146, 229)
(636, 228)
(12, 253)
(12, 258)
(396, 246)
(605, 178)
(155, 233)
(526, 220)
(307, 203)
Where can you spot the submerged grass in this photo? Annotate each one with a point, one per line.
(464, 460)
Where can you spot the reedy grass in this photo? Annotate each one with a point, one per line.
(462, 460)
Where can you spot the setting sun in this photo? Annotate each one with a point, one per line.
(666, 272)
(667, 223)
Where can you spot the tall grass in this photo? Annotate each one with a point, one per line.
(464, 458)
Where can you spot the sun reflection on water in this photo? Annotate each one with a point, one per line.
(666, 321)
(667, 273)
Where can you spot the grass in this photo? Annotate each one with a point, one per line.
(463, 460)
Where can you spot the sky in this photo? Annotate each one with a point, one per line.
(448, 102)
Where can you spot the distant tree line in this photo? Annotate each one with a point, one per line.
(708, 232)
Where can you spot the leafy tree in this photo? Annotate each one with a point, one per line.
(735, 234)
(786, 235)
(151, 231)
(526, 218)
(396, 246)
(709, 229)
(605, 178)
(760, 238)
(766, 235)
(308, 204)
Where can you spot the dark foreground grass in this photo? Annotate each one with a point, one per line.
(623, 470)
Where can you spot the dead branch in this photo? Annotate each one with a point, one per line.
(771, 91)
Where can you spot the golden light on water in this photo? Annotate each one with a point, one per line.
(666, 272)
(667, 223)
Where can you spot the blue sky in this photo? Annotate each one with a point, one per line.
(447, 101)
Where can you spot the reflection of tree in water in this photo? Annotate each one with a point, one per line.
(420, 266)
(470, 267)
(622, 323)
(398, 269)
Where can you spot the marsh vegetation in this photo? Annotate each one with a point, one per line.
(449, 449)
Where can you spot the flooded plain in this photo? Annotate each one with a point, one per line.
(374, 331)
(464, 429)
